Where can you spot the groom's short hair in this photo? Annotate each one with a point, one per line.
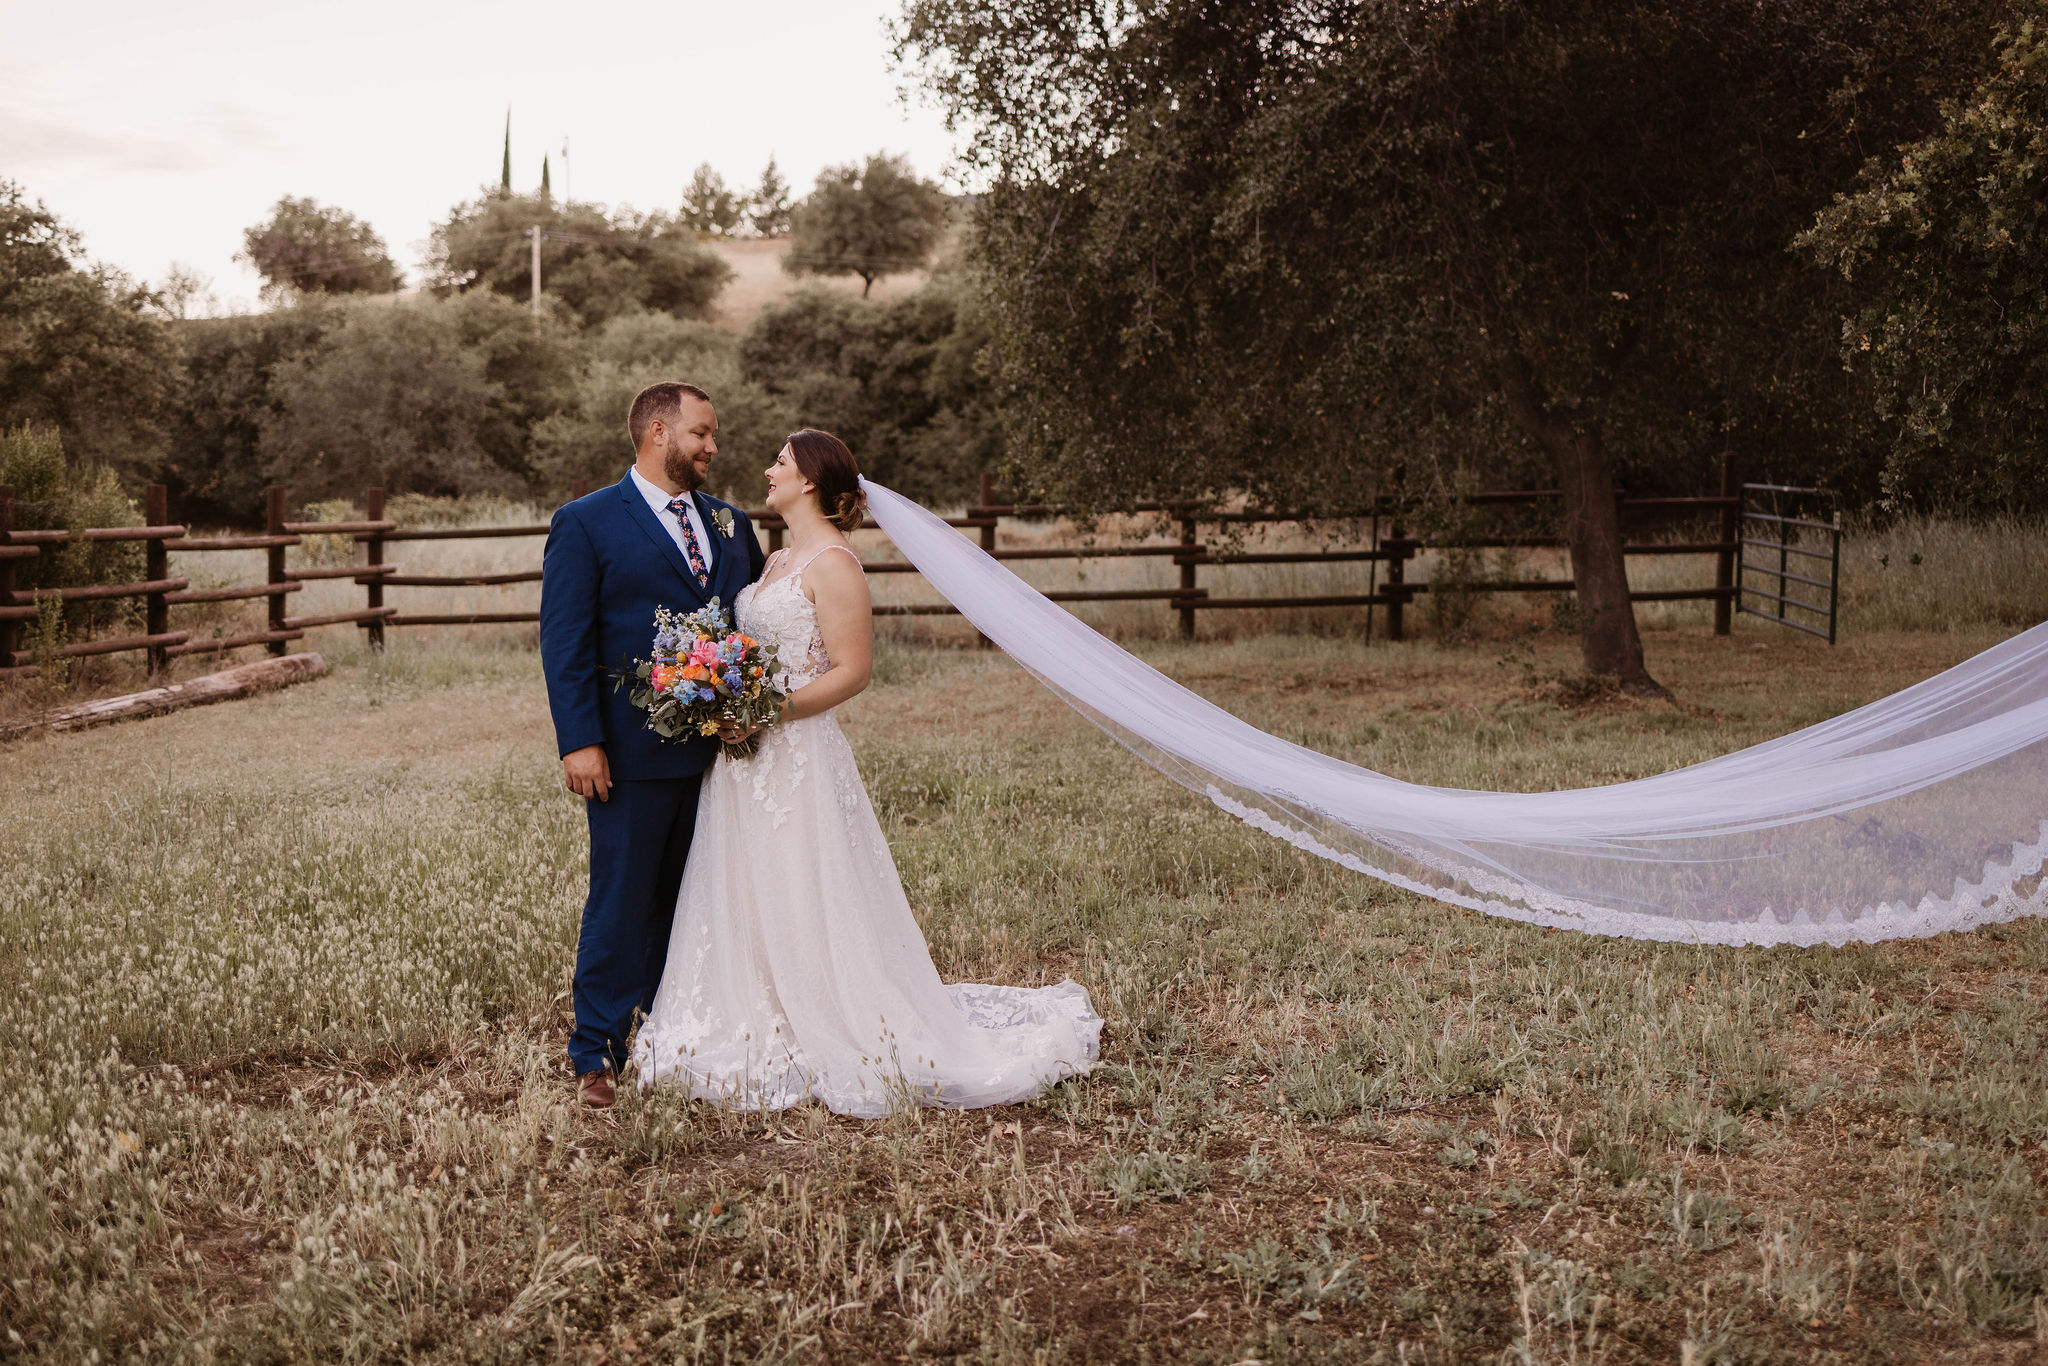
(663, 401)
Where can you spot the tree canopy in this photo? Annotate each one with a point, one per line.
(435, 397)
(869, 220)
(81, 349)
(897, 381)
(1945, 243)
(598, 264)
(1279, 248)
(710, 206)
(768, 206)
(315, 249)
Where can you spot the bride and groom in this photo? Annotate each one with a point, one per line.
(745, 914)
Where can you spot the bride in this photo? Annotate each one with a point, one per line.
(795, 970)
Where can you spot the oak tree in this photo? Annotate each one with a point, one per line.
(871, 220)
(312, 248)
(1278, 247)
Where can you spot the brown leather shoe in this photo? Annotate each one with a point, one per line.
(594, 1089)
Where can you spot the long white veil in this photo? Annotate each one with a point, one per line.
(1919, 813)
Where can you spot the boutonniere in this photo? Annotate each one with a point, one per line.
(722, 518)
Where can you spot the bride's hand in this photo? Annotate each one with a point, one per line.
(730, 731)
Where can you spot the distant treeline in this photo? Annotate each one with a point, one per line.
(472, 394)
(464, 387)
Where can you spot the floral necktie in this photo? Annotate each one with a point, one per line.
(679, 509)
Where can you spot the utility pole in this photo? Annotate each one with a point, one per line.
(534, 233)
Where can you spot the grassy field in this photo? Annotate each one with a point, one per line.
(286, 989)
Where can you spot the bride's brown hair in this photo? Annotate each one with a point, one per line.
(823, 459)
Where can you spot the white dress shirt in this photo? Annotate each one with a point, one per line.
(659, 501)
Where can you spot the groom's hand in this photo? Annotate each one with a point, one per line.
(587, 773)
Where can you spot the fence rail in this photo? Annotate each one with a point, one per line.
(1387, 560)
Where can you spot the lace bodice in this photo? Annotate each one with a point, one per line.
(777, 613)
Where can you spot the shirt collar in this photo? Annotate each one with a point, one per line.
(652, 492)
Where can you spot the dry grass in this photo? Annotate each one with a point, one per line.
(284, 984)
(759, 281)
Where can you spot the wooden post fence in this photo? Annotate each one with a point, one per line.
(373, 562)
(156, 609)
(273, 530)
(1731, 530)
(1182, 543)
(986, 488)
(1398, 548)
(10, 627)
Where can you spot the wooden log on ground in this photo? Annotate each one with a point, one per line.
(225, 686)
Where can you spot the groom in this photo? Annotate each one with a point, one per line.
(651, 540)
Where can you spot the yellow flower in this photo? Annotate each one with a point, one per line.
(707, 728)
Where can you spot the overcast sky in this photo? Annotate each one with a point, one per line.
(162, 130)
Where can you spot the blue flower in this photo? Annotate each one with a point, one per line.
(732, 679)
(707, 695)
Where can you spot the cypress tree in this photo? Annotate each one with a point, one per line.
(544, 193)
(505, 174)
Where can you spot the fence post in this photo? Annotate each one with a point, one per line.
(157, 556)
(986, 492)
(1731, 531)
(1398, 551)
(273, 505)
(1189, 545)
(10, 631)
(578, 488)
(373, 557)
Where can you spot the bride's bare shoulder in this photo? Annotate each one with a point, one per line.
(834, 574)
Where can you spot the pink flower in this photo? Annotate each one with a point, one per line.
(704, 652)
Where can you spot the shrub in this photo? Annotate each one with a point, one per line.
(587, 438)
(49, 495)
(897, 381)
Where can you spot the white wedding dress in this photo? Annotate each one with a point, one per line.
(795, 968)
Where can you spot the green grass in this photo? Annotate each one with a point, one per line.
(285, 989)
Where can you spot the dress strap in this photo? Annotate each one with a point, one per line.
(797, 572)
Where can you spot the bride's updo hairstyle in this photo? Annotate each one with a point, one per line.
(823, 459)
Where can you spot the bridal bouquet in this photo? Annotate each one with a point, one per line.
(703, 672)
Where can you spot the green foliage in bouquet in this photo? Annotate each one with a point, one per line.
(704, 672)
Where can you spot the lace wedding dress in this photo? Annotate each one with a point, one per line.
(795, 969)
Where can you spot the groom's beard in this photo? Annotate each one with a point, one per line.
(681, 471)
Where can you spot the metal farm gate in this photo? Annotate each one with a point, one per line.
(1782, 527)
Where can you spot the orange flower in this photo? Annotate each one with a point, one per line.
(696, 673)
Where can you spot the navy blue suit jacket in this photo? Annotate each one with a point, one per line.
(609, 563)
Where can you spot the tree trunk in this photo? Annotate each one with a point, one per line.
(1607, 621)
(1608, 641)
